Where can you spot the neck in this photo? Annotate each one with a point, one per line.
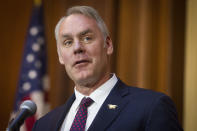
(89, 88)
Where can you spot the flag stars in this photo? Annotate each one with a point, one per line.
(26, 86)
(32, 74)
(38, 64)
(30, 58)
(34, 31)
(35, 47)
(40, 40)
(45, 81)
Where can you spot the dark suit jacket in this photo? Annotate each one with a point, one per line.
(137, 110)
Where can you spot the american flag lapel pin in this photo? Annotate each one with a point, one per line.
(111, 106)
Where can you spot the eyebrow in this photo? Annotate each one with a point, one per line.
(66, 35)
(85, 32)
(79, 34)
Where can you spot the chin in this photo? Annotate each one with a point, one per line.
(82, 82)
(85, 80)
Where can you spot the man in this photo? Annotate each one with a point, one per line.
(84, 48)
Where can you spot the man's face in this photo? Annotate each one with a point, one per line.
(81, 49)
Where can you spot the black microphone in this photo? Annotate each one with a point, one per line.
(27, 108)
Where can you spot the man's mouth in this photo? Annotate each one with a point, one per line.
(81, 62)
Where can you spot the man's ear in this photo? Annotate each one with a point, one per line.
(59, 56)
(109, 45)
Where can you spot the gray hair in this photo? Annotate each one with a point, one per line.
(87, 11)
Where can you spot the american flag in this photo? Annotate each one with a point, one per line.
(33, 80)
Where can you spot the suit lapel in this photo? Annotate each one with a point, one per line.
(110, 109)
(66, 109)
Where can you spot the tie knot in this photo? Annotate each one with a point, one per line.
(86, 101)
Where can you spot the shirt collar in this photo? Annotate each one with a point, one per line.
(98, 94)
(79, 97)
(104, 90)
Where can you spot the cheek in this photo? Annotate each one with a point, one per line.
(100, 52)
(100, 57)
(97, 49)
(65, 57)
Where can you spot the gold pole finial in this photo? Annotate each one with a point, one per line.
(37, 2)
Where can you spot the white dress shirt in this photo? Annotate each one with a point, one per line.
(98, 96)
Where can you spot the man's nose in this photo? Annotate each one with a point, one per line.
(78, 47)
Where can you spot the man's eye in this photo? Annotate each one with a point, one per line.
(68, 43)
(87, 39)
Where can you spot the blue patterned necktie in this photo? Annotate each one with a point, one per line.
(79, 122)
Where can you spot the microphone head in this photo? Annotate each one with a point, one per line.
(29, 105)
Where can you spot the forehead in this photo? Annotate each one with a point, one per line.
(77, 23)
